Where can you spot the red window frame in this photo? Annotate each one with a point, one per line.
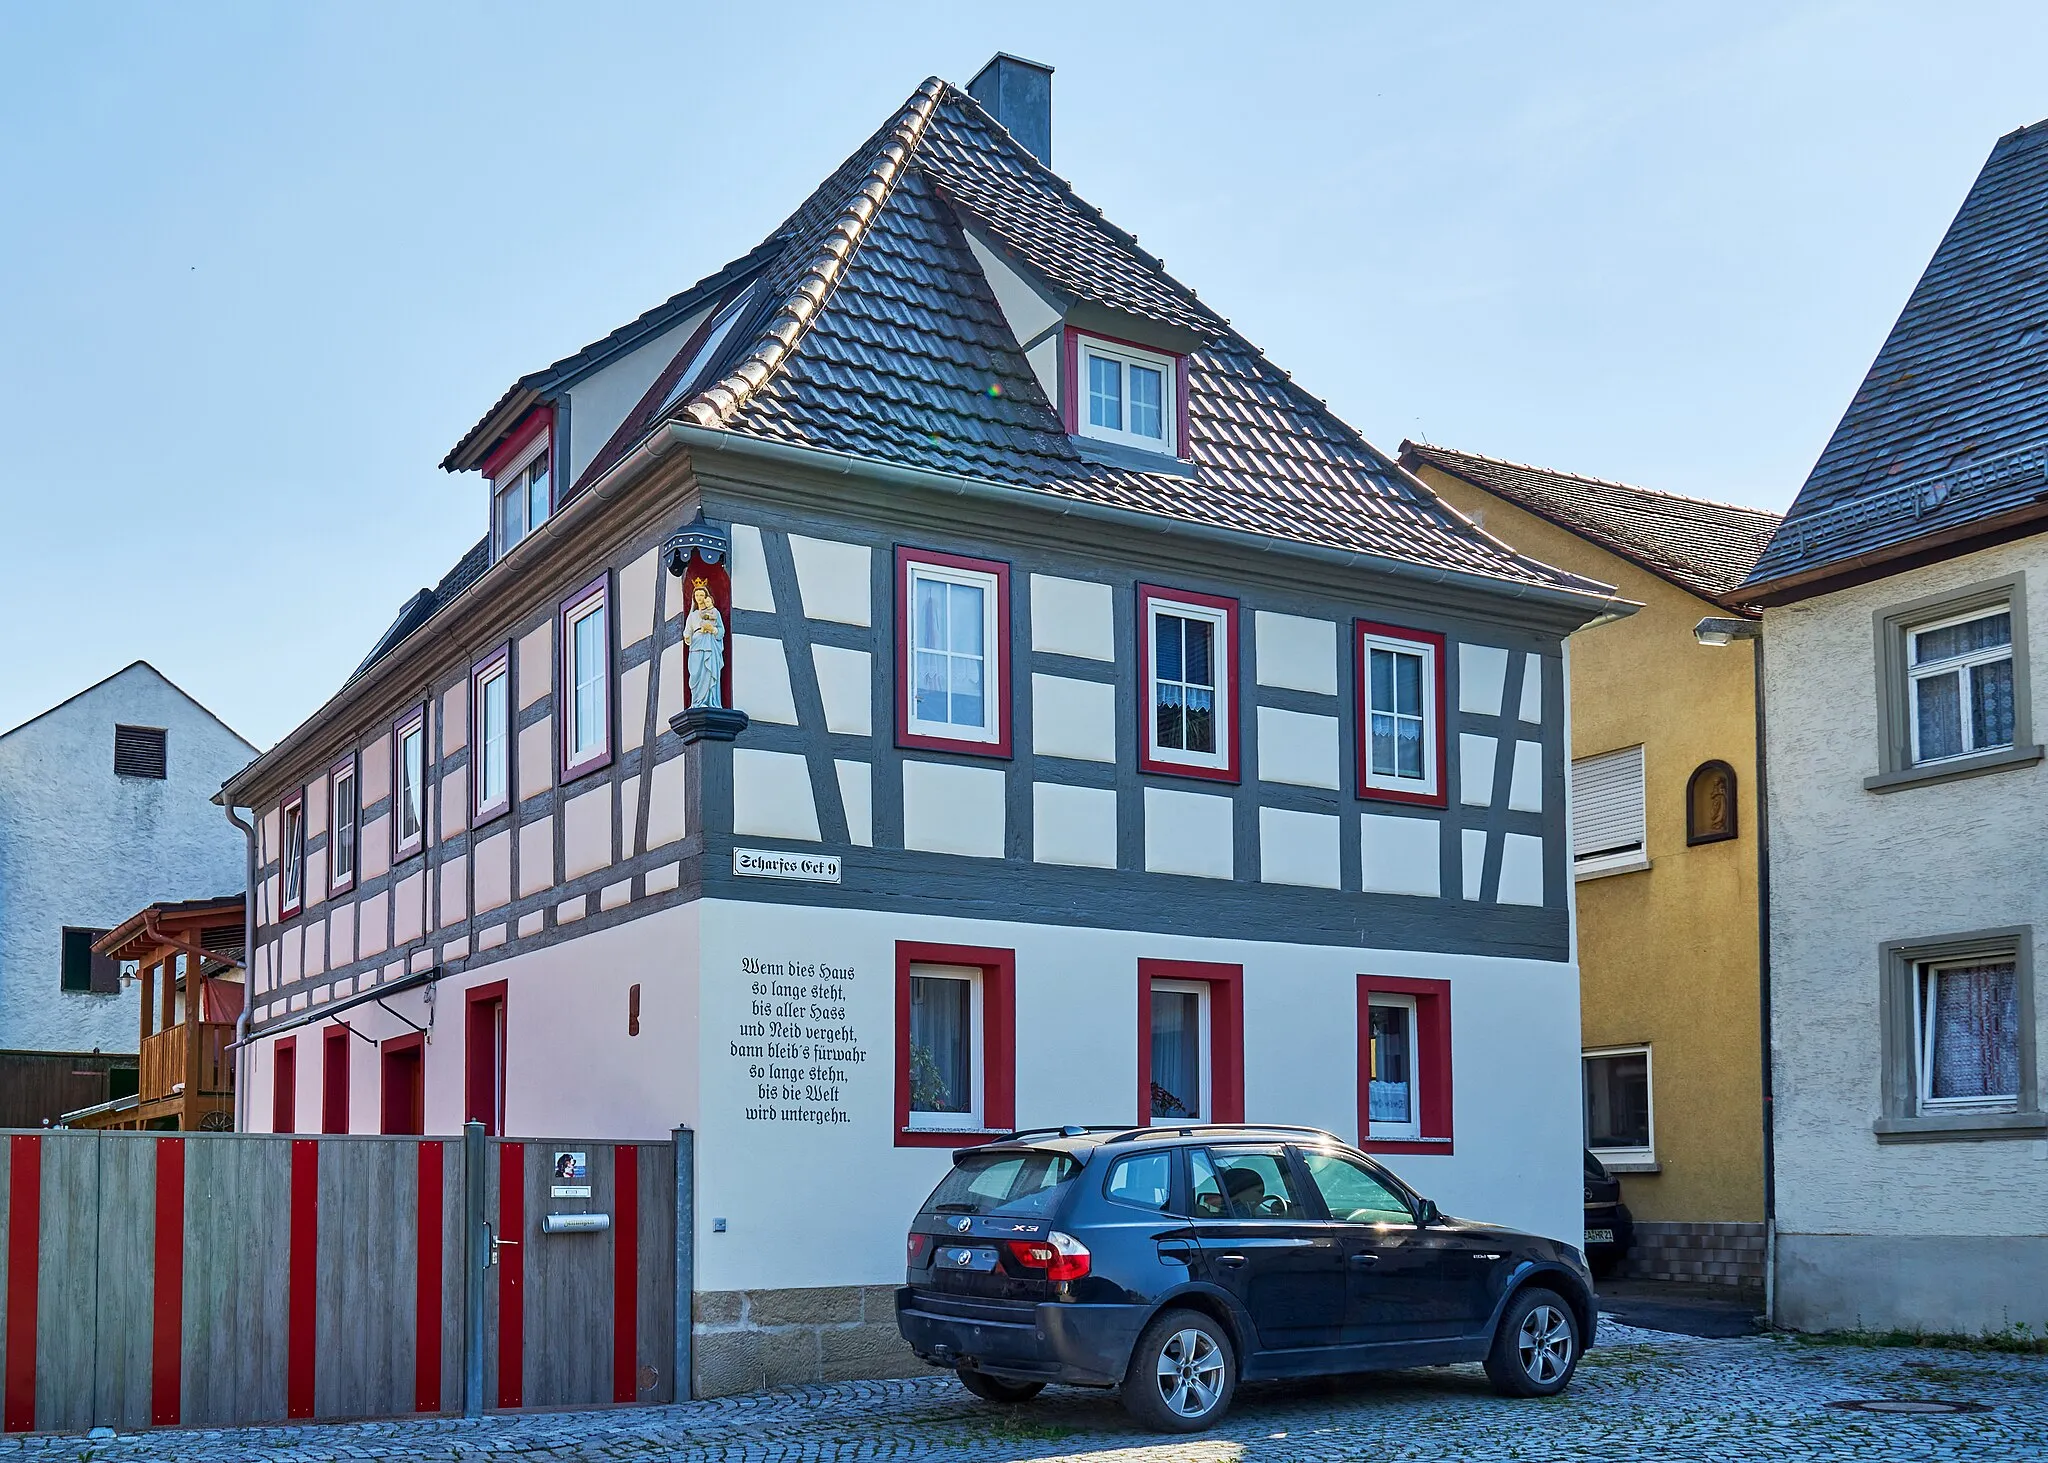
(1071, 389)
(402, 1074)
(284, 1086)
(540, 421)
(1232, 716)
(290, 851)
(1440, 797)
(600, 590)
(334, 1094)
(404, 848)
(906, 559)
(1433, 1062)
(1226, 1035)
(498, 660)
(483, 1081)
(998, 1054)
(342, 883)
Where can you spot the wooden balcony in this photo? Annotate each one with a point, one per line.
(167, 1062)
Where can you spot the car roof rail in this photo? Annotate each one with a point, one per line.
(1189, 1130)
(1067, 1130)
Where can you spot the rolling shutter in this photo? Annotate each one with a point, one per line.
(1607, 803)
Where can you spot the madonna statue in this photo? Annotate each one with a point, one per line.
(704, 639)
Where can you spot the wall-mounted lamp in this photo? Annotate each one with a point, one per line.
(1725, 629)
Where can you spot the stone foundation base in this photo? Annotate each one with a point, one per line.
(747, 1340)
(1967, 1284)
(1702, 1253)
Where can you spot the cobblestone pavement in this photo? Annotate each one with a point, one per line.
(1640, 1397)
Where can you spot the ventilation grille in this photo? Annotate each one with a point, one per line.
(139, 751)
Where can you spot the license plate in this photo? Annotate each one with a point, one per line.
(966, 1257)
(1599, 1236)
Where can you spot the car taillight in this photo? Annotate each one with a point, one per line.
(1060, 1256)
(916, 1249)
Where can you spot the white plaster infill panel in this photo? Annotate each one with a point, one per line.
(1532, 689)
(1482, 677)
(1072, 617)
(1189, 833)
(750, 588)
(1525, 791)
(1073, 825)
(1071, 718)
(1475, 769)
(587, 832)
(493, 872)
(1299, 848)
(857, 795)
(535, 676)
(771, 795)
(536, 856)
(1473, 851)
(1294, 653)
(636, 598)
(1521, 870)
(832, 580)
(666, 803)
(948, 808)
(845, 685)
(1297, 747)
(1400, 855)
(760, 680)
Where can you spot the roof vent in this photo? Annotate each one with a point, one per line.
(1018, 94)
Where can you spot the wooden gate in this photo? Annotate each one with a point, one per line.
(211, 1280)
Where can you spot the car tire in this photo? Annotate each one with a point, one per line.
(996, 1389)
(1537, 1347)
(1183, 1373)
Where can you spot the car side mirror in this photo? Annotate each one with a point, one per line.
(1427, 1213)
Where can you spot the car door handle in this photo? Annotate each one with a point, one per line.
(1230, 1262)
(1364, 1258)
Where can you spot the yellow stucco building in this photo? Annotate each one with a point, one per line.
(1666, 851)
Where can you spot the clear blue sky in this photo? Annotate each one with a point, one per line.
(261, 264)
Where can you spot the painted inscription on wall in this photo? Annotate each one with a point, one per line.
(797, 1041)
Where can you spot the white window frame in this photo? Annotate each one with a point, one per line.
(514, 477)
(581, 756)
(1959, 666)
(291, 856)
(411, 726)
(1431, 781)
(1219, 667)
(1621, 860)
(1205, 1046)
(993, 669)
(498, 669)
(1624, 1160)
(1124, 357)
(977, 1065)
(1926, 977)
(1410, 1131)
(340, 879)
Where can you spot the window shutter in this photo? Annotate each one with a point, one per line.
(1607, 803)
(139, 751)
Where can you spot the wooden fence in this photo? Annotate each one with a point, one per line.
(212, 1280)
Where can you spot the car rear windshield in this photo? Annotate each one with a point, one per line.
(1027, 1182)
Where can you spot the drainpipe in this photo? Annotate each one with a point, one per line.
(1763, 974)
(248, 969)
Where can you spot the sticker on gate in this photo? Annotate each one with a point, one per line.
(571, 1177)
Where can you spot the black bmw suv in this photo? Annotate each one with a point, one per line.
(1174, 1262)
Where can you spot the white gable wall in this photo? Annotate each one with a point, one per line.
(600, 401)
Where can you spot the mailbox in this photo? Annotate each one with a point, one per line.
(574, 1223)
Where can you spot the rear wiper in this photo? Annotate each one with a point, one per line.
(956, 1209)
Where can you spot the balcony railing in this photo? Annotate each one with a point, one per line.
(165, 1060)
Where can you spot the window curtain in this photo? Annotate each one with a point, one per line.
(1176, 1054)
(1976, 1032)
(940, 1028)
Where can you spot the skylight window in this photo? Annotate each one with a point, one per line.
(708, 352)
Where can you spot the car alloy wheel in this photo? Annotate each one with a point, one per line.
(1190, 1373)
(1544, 1344)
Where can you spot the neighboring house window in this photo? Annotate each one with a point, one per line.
(1710, 804)
(954, 675)
(1126, 394)
(1190, 1042)
(586, 679)
(1187, 644)
(140, 751)
(1608, 813)
(955, 1043)
(483, 1078)
(1404, 1065)
(284, 1086)
(341, 825)
(83, 971)
(1401, 714)
(1958, 1017)
(1619, 1113)
(492, 735)
(1952, 685)
(291, 857)
(522, 498)
(409, 784)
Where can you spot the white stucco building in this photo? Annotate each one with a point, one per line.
(104, 808)
(1908, 888)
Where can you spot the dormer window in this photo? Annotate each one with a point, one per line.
(522, 498)
(1126, 394)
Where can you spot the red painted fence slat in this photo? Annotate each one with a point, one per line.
(427, 1352)
(626, 1273)
(301, 1304)
(511, 1274)
(167, 1319)
(24, 1221)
